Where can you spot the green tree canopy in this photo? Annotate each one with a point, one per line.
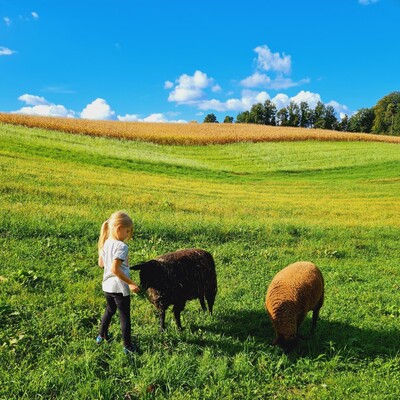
(228, 120)
(362, 120)
(210, 118)
(387, 112)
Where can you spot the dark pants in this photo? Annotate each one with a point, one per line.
(123, 303)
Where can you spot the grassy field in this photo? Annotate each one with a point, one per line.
(256, 207)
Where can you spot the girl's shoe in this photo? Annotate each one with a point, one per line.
(131, 349)
(100, 339)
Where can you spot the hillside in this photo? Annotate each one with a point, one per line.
(256, 207)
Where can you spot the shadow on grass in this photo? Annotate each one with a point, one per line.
(252, 329)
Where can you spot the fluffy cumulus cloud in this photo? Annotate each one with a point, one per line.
(32, 100)
(269, 61)
(282, 100)
(189, 89)
(156, 117)
(35, 15)
(5, 51)
(247, 99)
(311, 98)
(279, 65)
(36, 105)
(272, 71)
(98, 109)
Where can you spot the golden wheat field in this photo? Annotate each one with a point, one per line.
(188, 134)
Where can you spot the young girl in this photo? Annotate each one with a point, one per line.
(113, 257)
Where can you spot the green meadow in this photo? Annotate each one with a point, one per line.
(256, 207)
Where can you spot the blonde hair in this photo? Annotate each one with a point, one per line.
(109, 227)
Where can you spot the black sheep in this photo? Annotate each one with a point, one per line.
(177, 277)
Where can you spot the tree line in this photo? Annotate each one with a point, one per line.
(383, 118)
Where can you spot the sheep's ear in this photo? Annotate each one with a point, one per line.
(136, 267)
(139, 267)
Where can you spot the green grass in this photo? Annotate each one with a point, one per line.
(256, 208)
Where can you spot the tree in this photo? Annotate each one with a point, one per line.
(390, 113)
(305, 115)
(384, 121)
(282, 117)
(210, 118)
(269, 112)
(330, 118)
(243, 117)
(343, 125)
(257, 115)
(318, 116)
(294, 114)
(362, 120)
(396, 125)
(228, 120)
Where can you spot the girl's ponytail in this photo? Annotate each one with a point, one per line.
(104, 232)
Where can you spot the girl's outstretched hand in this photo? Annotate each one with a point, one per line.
(134, 288)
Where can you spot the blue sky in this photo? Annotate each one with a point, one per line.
(144, 60)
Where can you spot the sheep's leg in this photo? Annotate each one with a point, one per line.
(203, 304)
(177, 314)
(210, 296)
(316, 314)
(162, 320)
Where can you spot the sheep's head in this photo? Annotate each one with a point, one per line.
(151, 274)
(287, 344)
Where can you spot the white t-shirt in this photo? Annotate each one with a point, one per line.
(112, 250)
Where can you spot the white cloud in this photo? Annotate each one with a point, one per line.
(216, 88)
(247, 99)
(35, 15)
(98, 109)
(156, 117)
(256, 80)
(128, 118)
(264, 81)
(311, 98)
(7, 21)
(168, 85)
(159, 117)
(32, 100)
(190, 89)
(40, 106)
(281, 100)
(367, 2)
(341, 109)
(47, 111)
(4, 51)
(278, 65)
(269, 61)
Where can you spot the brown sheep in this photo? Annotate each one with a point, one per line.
(292, 293)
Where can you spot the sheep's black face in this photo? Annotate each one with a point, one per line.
(151, 275)
(287, 345)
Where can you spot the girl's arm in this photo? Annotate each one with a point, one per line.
(101, 262)
(116, 270)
